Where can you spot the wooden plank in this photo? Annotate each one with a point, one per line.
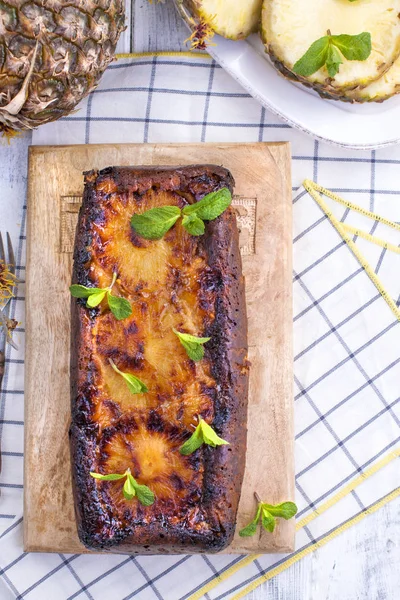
(157, 27)
(125, 42)
(263, 200)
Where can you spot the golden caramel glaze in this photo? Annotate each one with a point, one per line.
(170, 283)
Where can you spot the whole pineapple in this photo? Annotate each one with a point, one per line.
(52, 54)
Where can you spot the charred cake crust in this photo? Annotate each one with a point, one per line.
(99, 526)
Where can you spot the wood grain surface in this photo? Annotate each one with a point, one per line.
(263, 201)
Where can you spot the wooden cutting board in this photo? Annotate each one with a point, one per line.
(263, 203)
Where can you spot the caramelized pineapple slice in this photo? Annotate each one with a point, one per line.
(154, 459)
(164, 291)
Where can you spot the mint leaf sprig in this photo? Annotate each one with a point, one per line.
(328, 52)
(131, 487)
(153, 224)
(120, 307)
(134, 384)
(192, 344)
(268, 514)
(203, 434)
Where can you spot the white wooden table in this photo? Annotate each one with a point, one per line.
(361, 564)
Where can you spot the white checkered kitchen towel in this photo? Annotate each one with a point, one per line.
(346, 325)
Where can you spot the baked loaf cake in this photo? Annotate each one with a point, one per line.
(181, 282)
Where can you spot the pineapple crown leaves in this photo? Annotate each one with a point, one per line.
(268, 513)
(203, 434)
(329, 51)
(120, 307)
(131, 487)
(154, 223)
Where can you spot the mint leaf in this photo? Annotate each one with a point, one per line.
(81, 291)
(333, 61)
(211, 206)
(286, 510)
(193, 225)
(203, 434)
(327, 52)
(194, 351)
(131, 487)
(95, 299)
(135, 385)
(144, 494)
(191, 338)
(193, 443)
(154, 223)
(353, 47)
(251, 528)
(128, 490)
(269, 514)
(94, 295)
(111, 477)
(120, 307)
(209, 435)
(267, 520)
(192, 344)
(314, 59)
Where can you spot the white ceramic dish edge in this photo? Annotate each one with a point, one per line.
(358, 127)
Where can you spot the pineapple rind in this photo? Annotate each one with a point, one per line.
(233, 19)
(384, 88)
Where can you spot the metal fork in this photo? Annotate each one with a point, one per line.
(5, 305)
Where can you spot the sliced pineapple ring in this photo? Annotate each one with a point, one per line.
(234, 19)
(289, 27)
(155, 461)
(380, 90)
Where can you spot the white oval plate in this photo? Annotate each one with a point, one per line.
(361, 127)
